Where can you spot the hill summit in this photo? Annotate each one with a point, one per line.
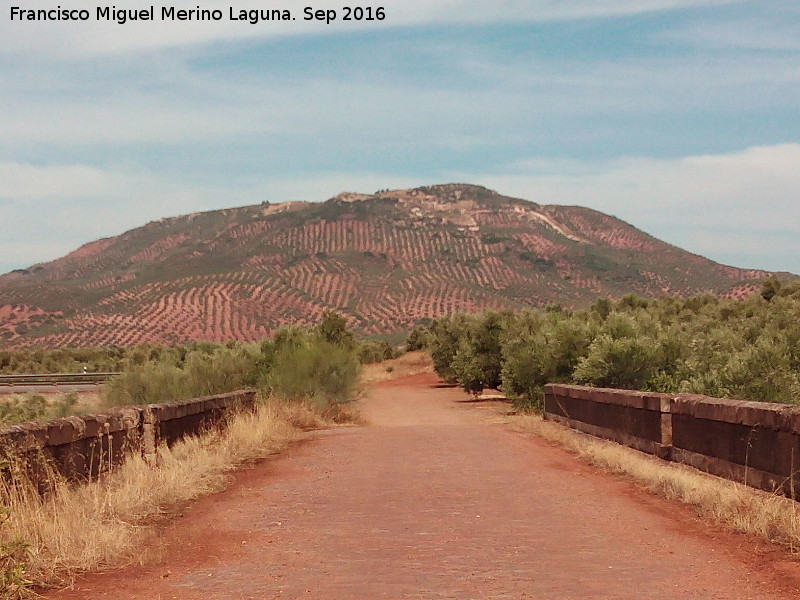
(384, 260)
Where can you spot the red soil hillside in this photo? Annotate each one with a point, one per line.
(385, 261)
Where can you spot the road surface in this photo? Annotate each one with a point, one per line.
(432, 500)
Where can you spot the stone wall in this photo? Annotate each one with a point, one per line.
(82, 447)
(627, 417)
(757, 443)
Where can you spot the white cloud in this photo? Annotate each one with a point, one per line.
(729, 207)
(170, 103)
(24, 181)
(766, 30)
(637, 85)
(211, 109)
(173, 97)
(59, 40)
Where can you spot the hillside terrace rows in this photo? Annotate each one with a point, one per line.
(608, 231)
(406, 246)
(540, 245)
(301, 293)
(157, 249)
(229, 310)
(241, 273)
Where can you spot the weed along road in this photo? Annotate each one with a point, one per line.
(436, 498)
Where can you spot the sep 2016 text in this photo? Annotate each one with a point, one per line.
(122, 15)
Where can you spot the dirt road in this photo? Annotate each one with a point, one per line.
(432, 501)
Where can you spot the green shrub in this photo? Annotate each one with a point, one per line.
(34, 407)
(225, 370)
(742, 349)
(373, 351)
(540, 348)
(297, 362)
(626, 362)
(419, 338)
(318, 371)
(150, 383)
(444, 341)
(65, 406)
(477, 362)
(333, 329)
(31, 408)
(468, 368)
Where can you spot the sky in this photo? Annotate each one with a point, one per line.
(681, 117)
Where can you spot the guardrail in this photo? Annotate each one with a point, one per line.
(56, 378)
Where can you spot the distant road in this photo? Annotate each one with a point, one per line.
(49, 389)
(52, 382)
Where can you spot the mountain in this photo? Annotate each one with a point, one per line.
(384, 260)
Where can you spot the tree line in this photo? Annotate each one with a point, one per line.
(745, 349)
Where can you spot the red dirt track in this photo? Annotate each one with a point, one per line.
(434, 501)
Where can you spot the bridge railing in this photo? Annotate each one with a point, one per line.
(756, 443)
(81, 447)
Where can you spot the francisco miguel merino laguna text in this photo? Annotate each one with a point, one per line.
(170, 13)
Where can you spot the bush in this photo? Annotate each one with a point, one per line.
(297, 362)
(16, 410)
(223, 371)
(318, 371)
(34, 407)
(477, 361)
(626, 362)
(373, 351)
(65, 406)
(541, 348)
(444, 342)
(150, 383)
(333, 329)
(419, 338)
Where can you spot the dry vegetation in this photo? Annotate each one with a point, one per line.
(107, 522)
(743, 509)
(410, 363)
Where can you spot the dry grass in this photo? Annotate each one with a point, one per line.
(305, 416)
(410, 363)
(741, 508)
(106, 523)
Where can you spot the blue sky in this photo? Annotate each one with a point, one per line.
(681, 117)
